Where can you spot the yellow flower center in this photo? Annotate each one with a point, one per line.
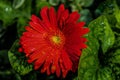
(56, 39)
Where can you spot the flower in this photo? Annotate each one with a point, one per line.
(54, 42)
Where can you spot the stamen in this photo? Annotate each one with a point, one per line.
(56, 39)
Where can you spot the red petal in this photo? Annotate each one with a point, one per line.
(37, 27)
(48, 63)
(35, 19)
(44, 15)
(63, 18)
(58, 70)
(40, 60)
(80, 24)
(65, 73)
(53, 68)
(30, 29)
(73, 50)
(33, 35)
(60, 10)
(74, 16)
(39, 22)
(65, 14)
(34, 56)
(32, 48)
(66, 60)
(52, 17)
(84, 31)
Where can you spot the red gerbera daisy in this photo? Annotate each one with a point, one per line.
(54, 42)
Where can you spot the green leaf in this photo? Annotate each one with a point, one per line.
(85, 16)
(24, 10)
(102, 31)
(17, 3)
(117, 15)
(114, 62)
(117, 43)
(89, 65)
(23, 16)
(17, 77)
(107, 7)
(105, 74)
(92, 64)
(22, 22)
(116, 70)
(74, 7)
(85, 3)
(89, 60)
(9, 13)
(54, 2)
(76, 78)
(6, 13)
(115, 57)
(40, 4)
(18, 60)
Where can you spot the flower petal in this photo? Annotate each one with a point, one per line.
(66, 60)
(44, 15)
(59, 12)
(52, 17)
(74, 16)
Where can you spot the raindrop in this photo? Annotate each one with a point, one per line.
(7, 9)
(109, 42)
(102, 24)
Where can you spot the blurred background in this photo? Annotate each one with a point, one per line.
(15, 14)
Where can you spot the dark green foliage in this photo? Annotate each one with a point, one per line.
(99, 61)
(18, 60)
(104, 63)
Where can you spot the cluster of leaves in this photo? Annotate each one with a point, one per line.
(100, 61)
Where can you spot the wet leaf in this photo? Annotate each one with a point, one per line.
(76, 78)
(7, 13)
(24, 10)
(40, 4)
(114, 62)
(18, 77)
(93, 62)
(89, 65)
(85, 16)
(18, 60)
(23, 14)
(107, 7)
(54, 2)
(22, 23)
(18, 3)
(115, 57)
(89, 60)
(85, 3)
(117, 15)
(103, 32)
